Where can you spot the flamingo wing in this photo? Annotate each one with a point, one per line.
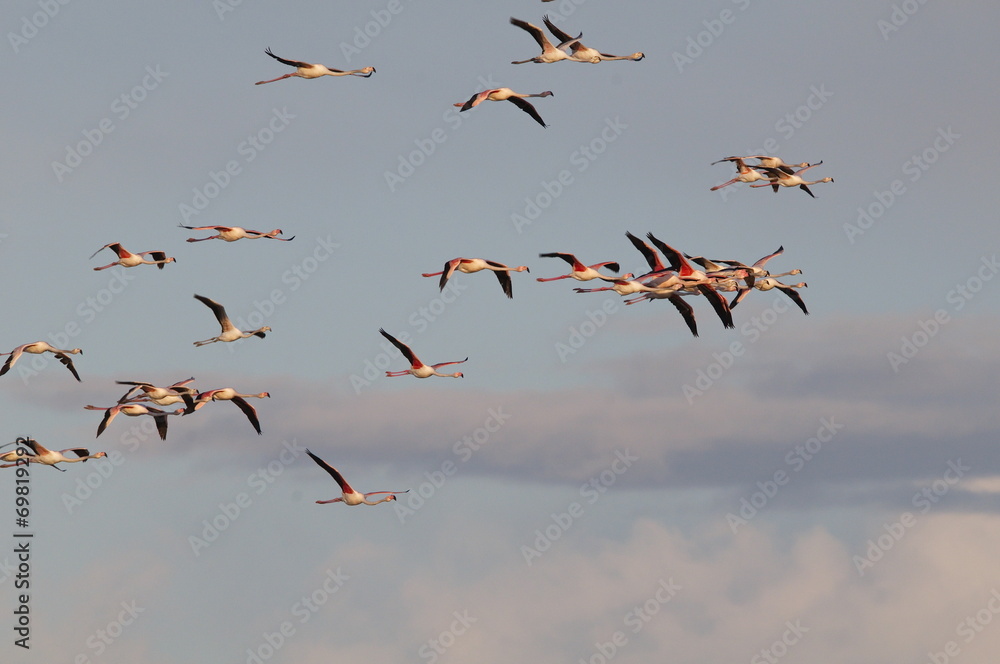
(403, 348)
(249, 411)
(218, 310)
(290, 63)
(344, 486)
(525, 106)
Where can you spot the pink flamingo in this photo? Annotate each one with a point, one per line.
(128, 259)
(229, 394)
(307, 70)
(549, 53)
(784, 178)
(580, 272)
(418, 368)
(234, 233)
(37, 348)
(581, 53)
(135, 410)
(744, 173)
(350, 496)
(767, 284)
(229, 331)
(45, 456)
(506, 94)
(470, 265)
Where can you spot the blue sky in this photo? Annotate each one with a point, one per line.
(601, 484)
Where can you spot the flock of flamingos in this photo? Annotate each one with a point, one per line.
(672, 275)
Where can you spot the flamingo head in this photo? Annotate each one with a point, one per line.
(638, 55)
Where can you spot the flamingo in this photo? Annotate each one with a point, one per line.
(581, 53)
(550, 53)
(470, 265)
(37, 348)
(47, 457)
(776, 162)
(229, 331)
(128, 259)
(418, 368)
(744, 173)
(743, 271)
(350, 496)
(229, 394)
(307, 70)
(234, 233)
(506, 94)
(135, 410)
(767, 284)
(161, 396)
(580, 271)
(780, 177)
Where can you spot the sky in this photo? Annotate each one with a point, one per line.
(601, 485)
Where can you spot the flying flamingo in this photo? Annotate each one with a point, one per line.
(470, 265)
(307, 70)
(45, 456)
(580, 271)
(744, 173)
(779, 177)
(350, 496)
(229, 394)
(128, 259)
(37, 348)
(229, 331)
(234, 233)
(550, 53)
(767, 284)
(135, 410)
(418, 368)
(506, 94)
(776, 162)
(735, 269)
(581, 53)
(161, 396)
